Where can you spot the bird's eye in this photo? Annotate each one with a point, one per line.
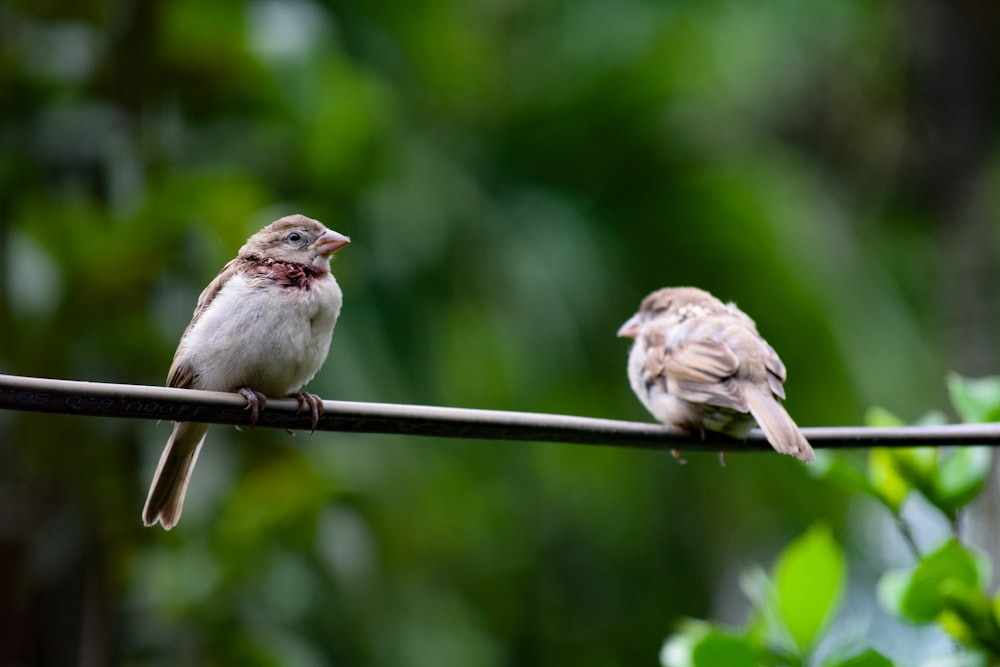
(655, 312)
(294, 237)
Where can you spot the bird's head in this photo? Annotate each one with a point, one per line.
(296, 238)
(661, 303)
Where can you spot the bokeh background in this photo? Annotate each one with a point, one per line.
(515, 177)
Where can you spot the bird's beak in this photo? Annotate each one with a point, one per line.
(630, 329)
(329, 242)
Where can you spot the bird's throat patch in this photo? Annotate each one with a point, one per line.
(291, 275)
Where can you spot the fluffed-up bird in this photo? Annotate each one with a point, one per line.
(698, 363)
(262, 328)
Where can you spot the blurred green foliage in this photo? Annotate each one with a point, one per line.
(515, 177)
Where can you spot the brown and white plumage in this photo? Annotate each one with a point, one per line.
(698, 363)
(262, 327)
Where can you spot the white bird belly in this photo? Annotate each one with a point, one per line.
(270, 338)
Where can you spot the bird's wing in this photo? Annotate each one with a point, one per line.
(699, 371)
(181, 374)
(775, 373)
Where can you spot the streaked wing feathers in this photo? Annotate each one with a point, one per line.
(703, 360)
(181, 374)
(700, 371)
(775, 373)
(727, 393)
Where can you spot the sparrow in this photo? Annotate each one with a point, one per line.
(261, 328)
(699, 364)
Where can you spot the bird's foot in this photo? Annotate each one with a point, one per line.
(722, 458)
(315, 405)
(256, 402)
(676, 453)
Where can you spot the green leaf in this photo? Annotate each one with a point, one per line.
(975, 400)
(896, 472)
(678, 648)
(887, 483)
(961, 476)
(892, 589)
(676, 652)
(869, 658)
(921, 593)
(969, 616)
(917, 464)
(842, 469)
(948, 483)
(699, 644)
(809, 580)
(717, 648)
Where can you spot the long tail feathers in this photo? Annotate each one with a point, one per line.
(166, 494)
(777, 425)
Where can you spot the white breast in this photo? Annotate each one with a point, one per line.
(272, 339)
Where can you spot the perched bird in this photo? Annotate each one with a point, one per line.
(262, 328)
(700, 364)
